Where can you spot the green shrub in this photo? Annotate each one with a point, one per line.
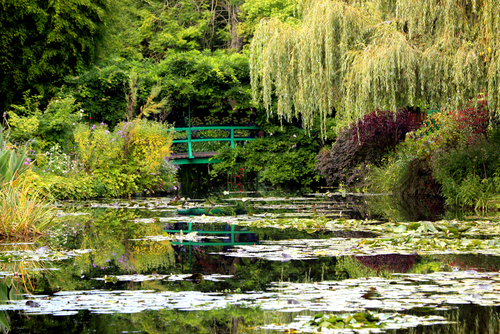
(286, 158)
(128, 159)
(78, 186)
(48, 127)
(406, 189)
(452, 162)
(469, 175)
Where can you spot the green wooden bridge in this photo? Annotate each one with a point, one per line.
(191, 157)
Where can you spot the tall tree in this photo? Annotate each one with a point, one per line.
(41, 41)
(356, 56)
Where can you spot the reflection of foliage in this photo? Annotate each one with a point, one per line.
(148, 255)
(256, 274)
(389, 263)
(24, 272)
(227, 320)
(83, 322)
(350, 267)
(7, 292)
(108, 235)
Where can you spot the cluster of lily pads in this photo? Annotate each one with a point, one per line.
(361, 322)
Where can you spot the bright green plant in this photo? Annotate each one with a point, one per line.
(78, 186)
(128, 159)
(469, 175)
(253, 11)
(12, 163)
(48, 127)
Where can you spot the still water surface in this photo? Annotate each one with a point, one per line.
(249, 265)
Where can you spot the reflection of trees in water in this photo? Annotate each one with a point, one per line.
(394, 263)
(24, 272)
(478, 262)
(109, 236)
(198, 258)
(468, 319)
(230, 320)
(147, 255)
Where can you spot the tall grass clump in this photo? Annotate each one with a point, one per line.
(23, 211)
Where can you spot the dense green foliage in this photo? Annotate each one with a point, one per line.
(451, 163)
(209, 83)
(41, 42)
(253, 11)
(68, 66)
(285, 159)
(52, 126)
(128, 159)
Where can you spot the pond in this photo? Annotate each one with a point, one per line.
(239, 264)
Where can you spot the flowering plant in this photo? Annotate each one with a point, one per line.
(127, 159)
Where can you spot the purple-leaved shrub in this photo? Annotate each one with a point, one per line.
(363, 144)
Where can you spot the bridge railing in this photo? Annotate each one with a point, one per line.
(232, 139)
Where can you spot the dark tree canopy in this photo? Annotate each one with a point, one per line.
(42, 41)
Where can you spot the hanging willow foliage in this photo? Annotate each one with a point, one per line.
(357, 56)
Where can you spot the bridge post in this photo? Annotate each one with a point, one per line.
(190, 150)
(232, 138)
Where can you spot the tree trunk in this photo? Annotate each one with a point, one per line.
(236, 40)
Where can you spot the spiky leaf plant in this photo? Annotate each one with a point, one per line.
(12, 163)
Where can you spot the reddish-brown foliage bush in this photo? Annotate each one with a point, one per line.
(364, 143)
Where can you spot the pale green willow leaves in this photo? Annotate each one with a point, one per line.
(357, 56)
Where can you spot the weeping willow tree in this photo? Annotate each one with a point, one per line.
(357, 56)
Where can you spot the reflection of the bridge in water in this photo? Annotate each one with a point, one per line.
(231, 234)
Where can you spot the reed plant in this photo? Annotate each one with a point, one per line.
(24, 212)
